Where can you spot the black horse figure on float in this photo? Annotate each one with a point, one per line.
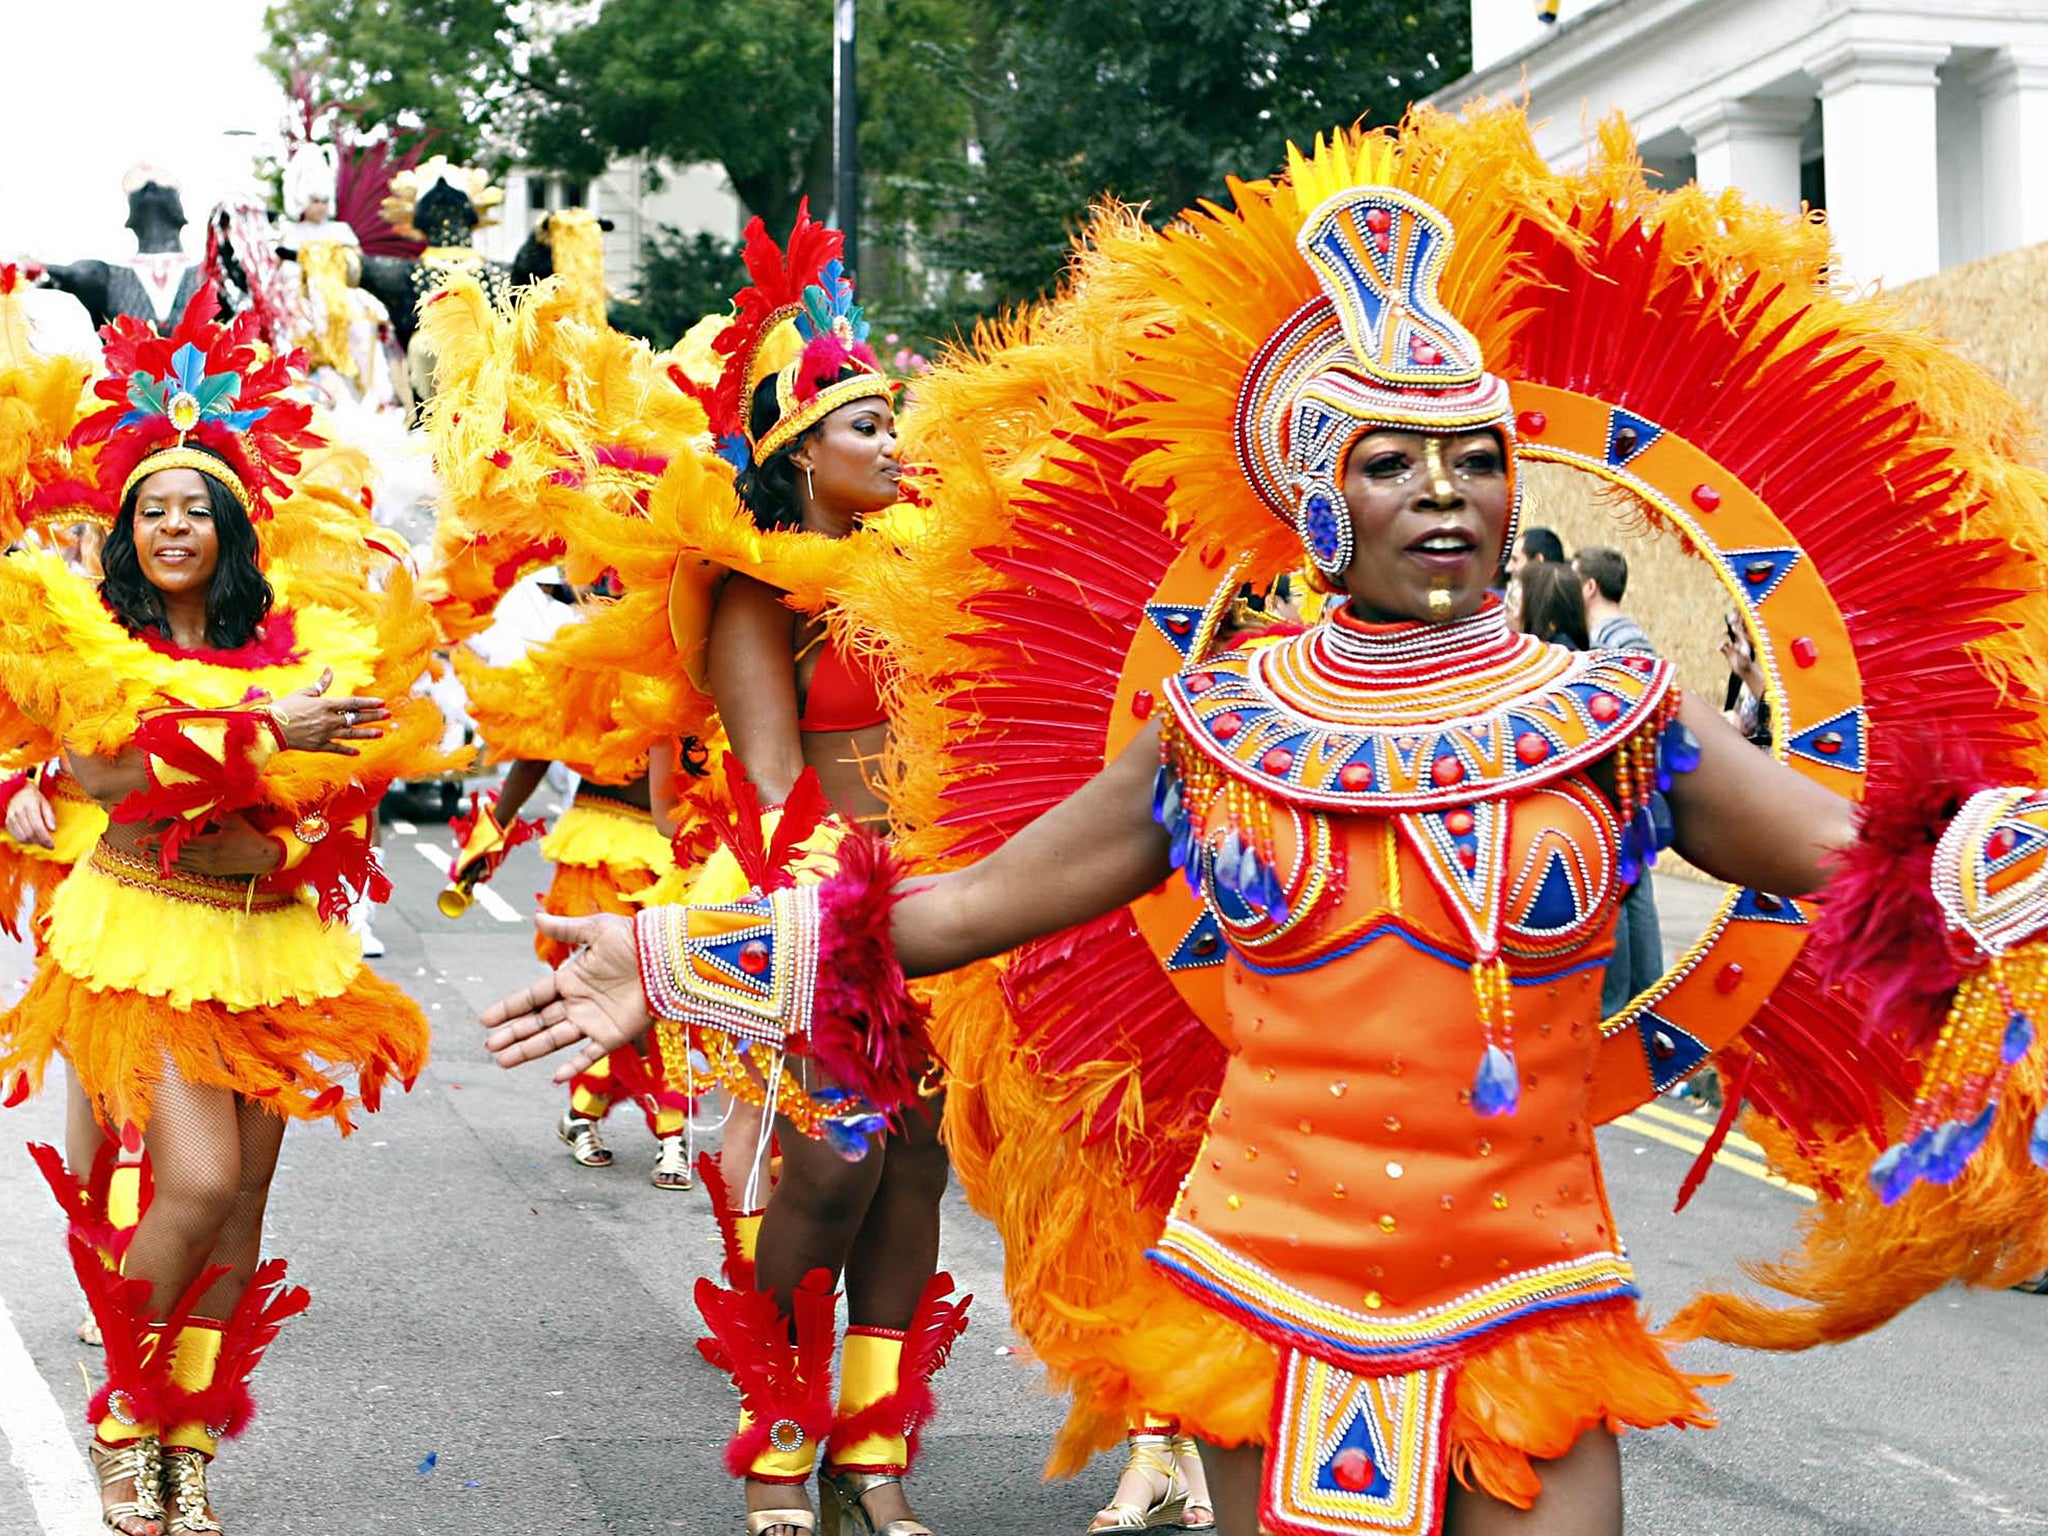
(158, 280)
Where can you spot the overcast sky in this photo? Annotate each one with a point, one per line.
(96, 86)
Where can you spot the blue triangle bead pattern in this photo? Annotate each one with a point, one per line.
(1628, 435)
(1758, 572)
(1836, 741)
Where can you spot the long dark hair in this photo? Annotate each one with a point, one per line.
(768, 489)
(237, 601)
(1553, 604)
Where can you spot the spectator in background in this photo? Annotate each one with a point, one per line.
(1603, 580)
(1601, 574)
(1536, 544)
(1747, 703)
(1549, 605)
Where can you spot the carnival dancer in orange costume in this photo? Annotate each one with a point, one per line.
(1391, 1255)
(198, 975)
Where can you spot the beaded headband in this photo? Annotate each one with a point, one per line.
(794, 418)
(181, 457)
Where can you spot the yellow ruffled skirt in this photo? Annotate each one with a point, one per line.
(231, 988)
(604, 854)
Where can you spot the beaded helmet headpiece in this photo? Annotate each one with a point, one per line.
(796, 321)
(201, 399)
(1376, 350)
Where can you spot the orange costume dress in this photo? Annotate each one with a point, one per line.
(1398, 834)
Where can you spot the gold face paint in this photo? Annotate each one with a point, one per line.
(1439, 472)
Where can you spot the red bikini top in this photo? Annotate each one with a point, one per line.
(843, 695)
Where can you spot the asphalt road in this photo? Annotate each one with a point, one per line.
(502, 1342)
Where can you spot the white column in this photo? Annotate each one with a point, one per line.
(2014, 91)
(1751, 145)
(1878, 135)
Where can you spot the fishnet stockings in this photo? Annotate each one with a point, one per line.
(212, 1155)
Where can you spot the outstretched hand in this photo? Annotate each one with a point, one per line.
(311, 722)
(593, 1003)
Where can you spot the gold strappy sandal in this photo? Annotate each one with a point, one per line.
(1153, 1455)
(185, 1483)
(842, 1514)
(139, 1461)
(759, 1520)
(1185, 1450)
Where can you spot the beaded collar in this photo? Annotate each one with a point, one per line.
(1377, 718)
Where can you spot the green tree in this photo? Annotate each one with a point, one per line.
(682, 279)
(988, 126)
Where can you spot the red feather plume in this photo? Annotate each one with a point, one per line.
(266, 1306)
(776, 279)
(739, 1269)
(781, 1366)
(867, 1030)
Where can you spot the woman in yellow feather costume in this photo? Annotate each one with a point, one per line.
(197, 976)
(1379, 1251)
(748, 608)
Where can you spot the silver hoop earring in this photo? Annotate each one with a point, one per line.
(810, 489)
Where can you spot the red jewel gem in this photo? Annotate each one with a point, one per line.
(1352, 1470)
(1277, 761)
(1468, 856)
(754, 957)
(1179, 623)
(1227, 725)
(1531, 748)
(1804, 651)
(1757, 572)
(1383, 243)
(1423, 353)
(1378, 220)
(1458, 823)
(2002, 842)
(1355, 776)
(1531, 423)
(1706, 498)
(1141, 703)
(1201, 683)
(1830, 744)
(1447, 771)
(1205, 945)
(1728, 978)
(1603, 707)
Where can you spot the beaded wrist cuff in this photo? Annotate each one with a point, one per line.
(747, 968)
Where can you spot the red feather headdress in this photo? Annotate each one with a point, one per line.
(201, 387)
(795, 319)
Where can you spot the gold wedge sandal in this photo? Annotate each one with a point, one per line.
(1152, 1455)
(841, 1513)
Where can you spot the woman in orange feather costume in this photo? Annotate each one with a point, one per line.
(1385, 1267)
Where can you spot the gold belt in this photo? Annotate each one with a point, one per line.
(224, 893)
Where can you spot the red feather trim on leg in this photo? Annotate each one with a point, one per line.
(934, 1328)
(225, 1405)
(781, 1366)
(739, 1269)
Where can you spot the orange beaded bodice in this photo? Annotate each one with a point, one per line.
(1400, 905)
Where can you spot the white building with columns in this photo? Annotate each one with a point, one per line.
(1921, 126)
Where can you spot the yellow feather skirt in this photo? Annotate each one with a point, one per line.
(605, 853)
(252, 994)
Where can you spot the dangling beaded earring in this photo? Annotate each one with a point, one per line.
(1325, 526)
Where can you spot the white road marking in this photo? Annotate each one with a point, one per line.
(487, 898)
(405, 829)
(41, 1448)
(1969, 1492)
